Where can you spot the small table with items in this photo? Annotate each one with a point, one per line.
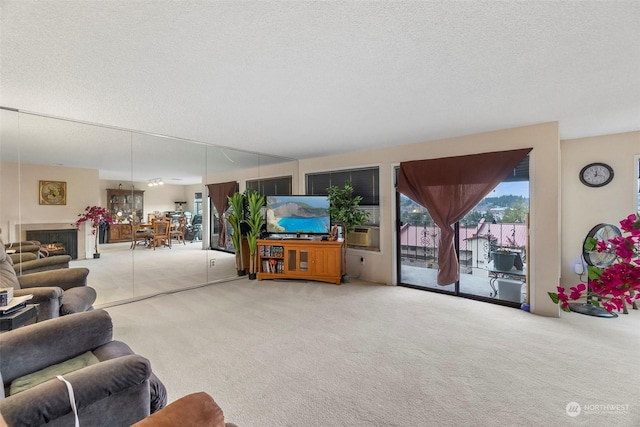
(21, 317)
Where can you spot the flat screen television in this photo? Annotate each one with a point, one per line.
(297, 215)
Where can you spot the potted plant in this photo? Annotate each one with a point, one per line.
(95, 216)
(345, 211)
(235, 218)
(503, 259)
(617, 285)
(255, 221)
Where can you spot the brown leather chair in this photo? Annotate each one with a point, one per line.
(193, 410)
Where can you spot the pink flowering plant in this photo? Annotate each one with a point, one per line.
(617, 285)
(94, 216)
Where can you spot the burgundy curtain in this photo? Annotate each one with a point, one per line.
(218, 194)
(449, 188)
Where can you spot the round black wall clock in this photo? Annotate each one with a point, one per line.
(596, 174)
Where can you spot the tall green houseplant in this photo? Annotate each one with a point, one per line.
(345, 211)
(255, 221)
(235, 217)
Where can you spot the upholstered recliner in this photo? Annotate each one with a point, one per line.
(28, 246)
(28, 262)
(58, 292)
(111, 384)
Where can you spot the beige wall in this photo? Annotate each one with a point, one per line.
(584, 207)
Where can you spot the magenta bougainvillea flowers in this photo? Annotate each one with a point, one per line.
(618, 285)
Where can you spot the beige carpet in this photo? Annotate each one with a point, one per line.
(123, 274)
(278, 353)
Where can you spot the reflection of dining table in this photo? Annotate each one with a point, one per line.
(146, 232)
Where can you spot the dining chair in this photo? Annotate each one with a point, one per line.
(161, 234)
(140, 234)
(178, 233)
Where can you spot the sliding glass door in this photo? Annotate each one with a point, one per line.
(490, 242)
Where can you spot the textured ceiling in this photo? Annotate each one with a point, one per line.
(304, 79)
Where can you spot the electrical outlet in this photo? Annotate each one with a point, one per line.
(212, 263)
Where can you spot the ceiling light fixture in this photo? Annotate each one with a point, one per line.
(155, 182)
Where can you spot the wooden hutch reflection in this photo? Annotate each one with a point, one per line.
(124, 205)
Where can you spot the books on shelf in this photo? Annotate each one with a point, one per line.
(271, 251)
(273, 265)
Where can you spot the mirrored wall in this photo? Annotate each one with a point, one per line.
(51, 169)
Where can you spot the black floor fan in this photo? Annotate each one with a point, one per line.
(594, 258)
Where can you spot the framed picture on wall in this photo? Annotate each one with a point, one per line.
(53, 193)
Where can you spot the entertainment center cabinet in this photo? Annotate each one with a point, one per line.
(300, 259)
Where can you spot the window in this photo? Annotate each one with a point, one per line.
(197, 203)
(365, 182)
(271, 186)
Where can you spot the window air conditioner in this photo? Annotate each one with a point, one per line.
(359, 237)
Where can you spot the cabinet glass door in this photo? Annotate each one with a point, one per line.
(304, 260)
(292, 260)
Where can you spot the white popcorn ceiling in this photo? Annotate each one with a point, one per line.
(305, 79)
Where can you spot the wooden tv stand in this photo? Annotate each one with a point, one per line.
(300, 259)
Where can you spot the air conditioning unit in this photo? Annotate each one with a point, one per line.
(359, 237)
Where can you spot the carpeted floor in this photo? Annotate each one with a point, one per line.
(279, 353)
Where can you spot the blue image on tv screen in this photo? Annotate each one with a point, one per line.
(298, 215)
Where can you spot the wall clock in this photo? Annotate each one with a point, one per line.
(53, 193)
(596, 174)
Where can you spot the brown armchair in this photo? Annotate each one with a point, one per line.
(58, 292)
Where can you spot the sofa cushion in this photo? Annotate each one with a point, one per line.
(77, 300)
(33, 379)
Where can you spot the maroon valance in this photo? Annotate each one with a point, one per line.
(449, 188)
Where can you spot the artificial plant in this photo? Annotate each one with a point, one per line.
(235, 218)
(255, 221)
(345, 211)
(94, 216)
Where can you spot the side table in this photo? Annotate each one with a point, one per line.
(24, 316)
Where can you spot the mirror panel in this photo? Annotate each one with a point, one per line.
(92, 159)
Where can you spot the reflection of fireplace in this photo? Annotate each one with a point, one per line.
(57, 242)
(55, 249)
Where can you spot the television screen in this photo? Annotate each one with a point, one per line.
(298, 215)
